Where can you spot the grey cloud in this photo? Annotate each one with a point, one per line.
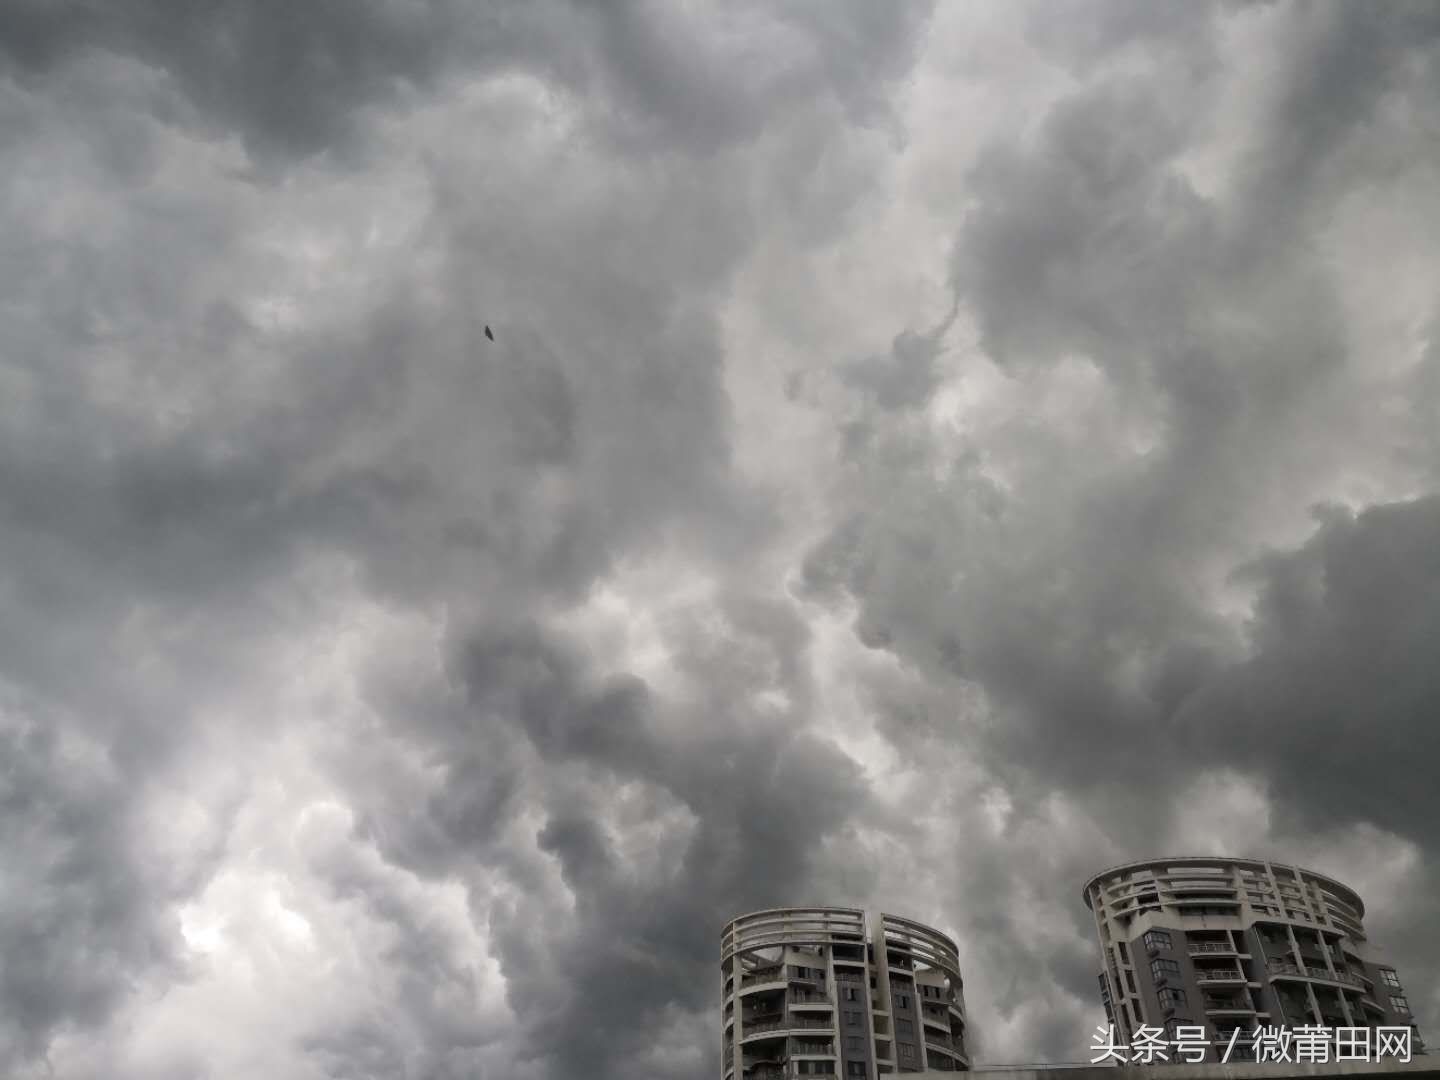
(189, 488)
(78, 910)
(299, 80)
(758, 799)
(1342, 685)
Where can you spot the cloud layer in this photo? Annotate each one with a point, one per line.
(926, 455)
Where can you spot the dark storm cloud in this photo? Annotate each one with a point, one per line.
(1087, 240)
(755, 797)
(296, 79)
(496, 476)
(234, 421)
(78, 922)
(1337, 706)
(1074, 595)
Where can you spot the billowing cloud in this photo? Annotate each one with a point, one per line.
(924, 455)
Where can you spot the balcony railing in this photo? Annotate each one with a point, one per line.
(799, 1046)
(802, 998)
(763, 975)
(1199, 947)
(1215, 975)
(790, 1023)
(1284, 967)
(1218, 1004)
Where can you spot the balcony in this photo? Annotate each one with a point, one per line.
(944, 1043)
(789, 1023)
(801, 997)
(1219, 975)
(1215, 1004)
(1211, 948)
(804, 1048)
(761, 976)
(1285, 968)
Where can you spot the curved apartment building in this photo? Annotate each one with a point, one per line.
(829, 991)
(1236, 943)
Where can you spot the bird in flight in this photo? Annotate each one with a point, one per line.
(488, 334)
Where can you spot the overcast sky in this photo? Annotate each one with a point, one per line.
(927, 455)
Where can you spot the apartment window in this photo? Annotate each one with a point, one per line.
(855, 1068)
(1130, 982)
(1124, 953)
(903, 1001)
(907, 1027)
(1170, 997)
(852, 1017)
(1157, 939)
(1399, 1004)
(1389, 978)
(852, 993)
(1161, 968)
(855, 1042)
(907, 1052)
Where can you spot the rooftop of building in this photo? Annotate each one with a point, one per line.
(1220, 860)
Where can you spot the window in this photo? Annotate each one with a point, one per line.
(855, 1068)
(903, 1001)
(852, 1017)
(907, 1052)
(852, 993)
(1389, 978)
(907, 1027)
(1157, 939)
(854, 1042)
(1399, 1004)
(1130, 982)
(1170, 997)
(1162, 968)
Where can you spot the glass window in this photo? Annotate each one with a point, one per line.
(1170, 997)
(905, 1027)
(907, 1052)
(1389, 977)
(854, 1042)
(1399, 1004)
(852, 1017)
(1161, 968)
(855, 1068)
(1157, 939)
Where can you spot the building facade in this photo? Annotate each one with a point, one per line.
(838, 992)
(1237, 943)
